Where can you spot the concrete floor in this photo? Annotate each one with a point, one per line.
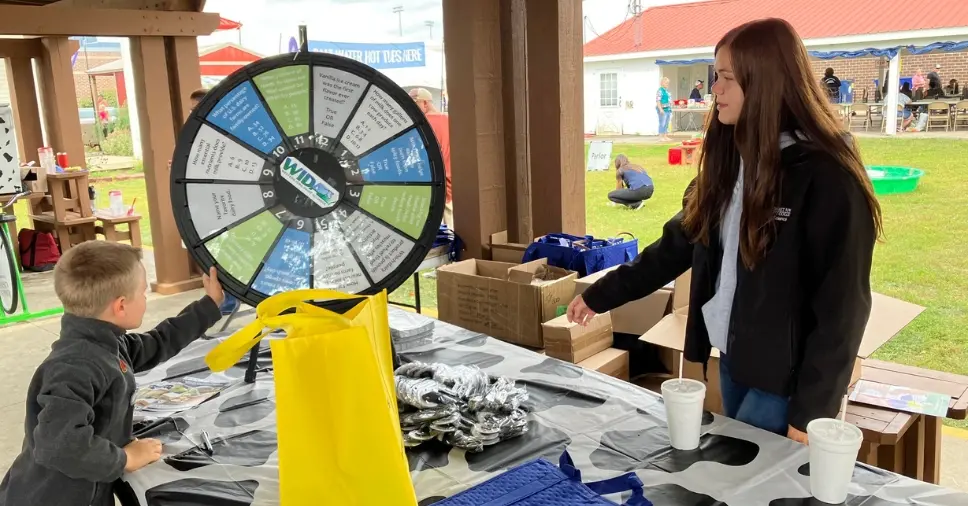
(25, 345)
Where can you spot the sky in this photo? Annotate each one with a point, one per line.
(266, 22)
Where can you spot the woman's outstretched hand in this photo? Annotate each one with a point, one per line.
(578, 312)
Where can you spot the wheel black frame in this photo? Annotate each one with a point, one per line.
(182, 214)
(11, 264)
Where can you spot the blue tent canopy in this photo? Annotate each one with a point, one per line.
(861, 53)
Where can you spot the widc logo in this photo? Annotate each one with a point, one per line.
(317, 190)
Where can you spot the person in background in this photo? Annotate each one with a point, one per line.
(831, 84)
(197, 96)
(102, 114)
(697, 91)
(778, 227)
(918, 82)
(663, 108)
(632, 184)
(903, 110)
(935, 90)
(440, 124)
(906, 90)
(952, 88)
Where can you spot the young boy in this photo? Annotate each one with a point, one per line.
(78, 428)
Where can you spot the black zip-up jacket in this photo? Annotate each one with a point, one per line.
(79, 407)
(799, 316)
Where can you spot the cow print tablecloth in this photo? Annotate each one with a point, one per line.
(608, 426)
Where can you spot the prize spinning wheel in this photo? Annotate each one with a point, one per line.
(307, 171)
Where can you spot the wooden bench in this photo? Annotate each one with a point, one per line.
(108, 228)
(919, 455)
(70, 231)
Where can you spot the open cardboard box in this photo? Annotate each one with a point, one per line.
(635, 317)
(503, 300)
(888, 317)
(574, 343)
(504, 251)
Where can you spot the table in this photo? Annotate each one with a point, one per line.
(608, 426)
(921, 453)
(691, 125)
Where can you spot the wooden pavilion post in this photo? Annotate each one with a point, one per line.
(474, 86)
(23, 97)
(555, 94)
(61, 118)
(153, 93)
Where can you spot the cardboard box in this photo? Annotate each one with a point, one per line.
(612, 362)
(636, 317)
(573, 343)
(888, 317)
(503, 251)
(503, 300)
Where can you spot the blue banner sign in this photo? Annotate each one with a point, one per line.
(378, 56)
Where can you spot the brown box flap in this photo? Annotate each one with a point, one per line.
(888, 317)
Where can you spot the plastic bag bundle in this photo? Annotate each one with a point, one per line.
(410, 330)
(458, 405)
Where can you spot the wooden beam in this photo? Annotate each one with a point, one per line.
(61, 119)
(185, 74)
(514, 54)
(67, 21)
(26, 112)
(20, 48)
(148, 5)
(152, 89)
(472, 35)
(555, 94)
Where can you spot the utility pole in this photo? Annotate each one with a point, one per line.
(398, 10)
(637, 11)
(430, 25)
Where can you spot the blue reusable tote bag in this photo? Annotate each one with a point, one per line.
(584, 255)
(541, 483)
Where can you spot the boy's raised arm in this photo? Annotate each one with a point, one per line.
(64, 438)
(165, 341)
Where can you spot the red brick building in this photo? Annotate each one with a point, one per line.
(624, 65)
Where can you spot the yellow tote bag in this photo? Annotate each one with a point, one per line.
(336, 405)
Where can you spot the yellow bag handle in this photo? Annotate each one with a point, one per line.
(307, 317)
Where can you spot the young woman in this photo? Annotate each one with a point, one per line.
(663, 107)
(779, 230)
(632, 184)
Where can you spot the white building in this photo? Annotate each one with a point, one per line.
(623, 66)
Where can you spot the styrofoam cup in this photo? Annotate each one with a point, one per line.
(683, 403)
(833, 452)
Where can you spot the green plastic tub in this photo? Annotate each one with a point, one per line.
(888, 180)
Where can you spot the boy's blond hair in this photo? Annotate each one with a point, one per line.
(94, 273)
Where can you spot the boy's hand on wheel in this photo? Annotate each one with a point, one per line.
(579, 312)
(212, 287)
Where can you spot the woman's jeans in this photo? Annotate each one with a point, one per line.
(664, 118)
(750, 405)
(631, 198)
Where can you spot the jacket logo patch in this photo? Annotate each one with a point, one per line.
(781, 213)
(123, 365)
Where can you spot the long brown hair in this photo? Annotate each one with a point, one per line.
(771, 66)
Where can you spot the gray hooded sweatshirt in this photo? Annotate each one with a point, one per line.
(79, 411)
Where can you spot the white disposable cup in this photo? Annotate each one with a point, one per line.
(833, 452)
(683, 403)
